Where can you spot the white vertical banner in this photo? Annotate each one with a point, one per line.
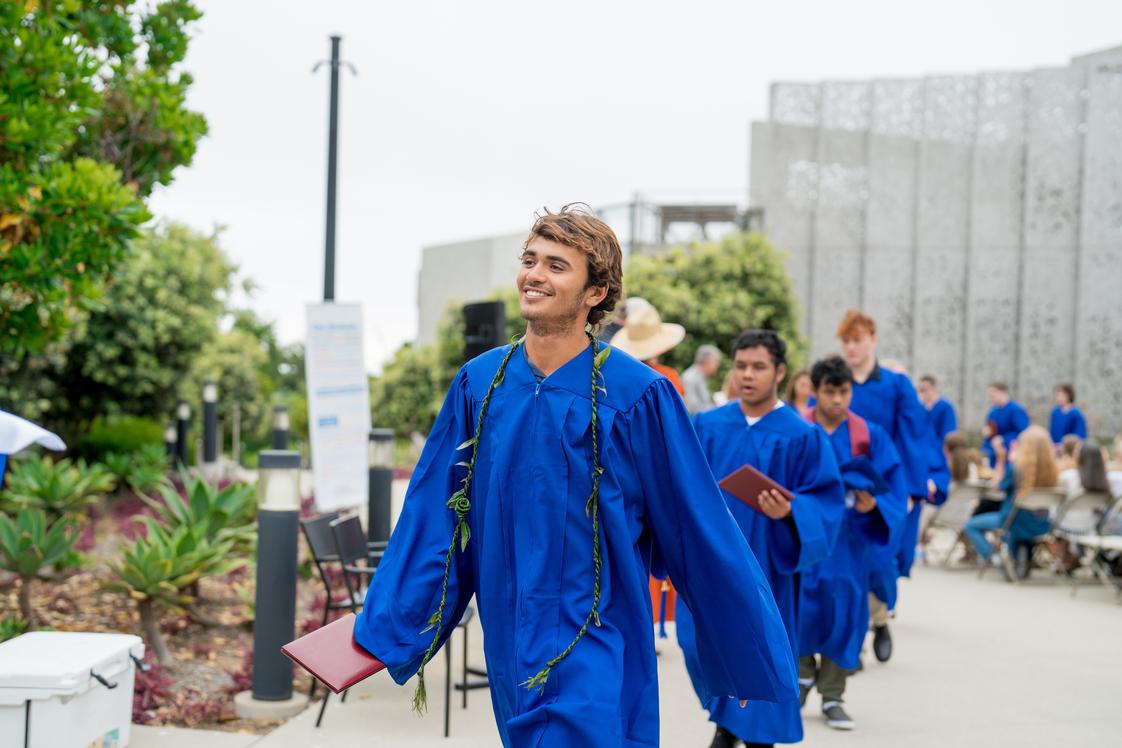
(338, 404)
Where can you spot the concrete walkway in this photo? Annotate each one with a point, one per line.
(977, 663)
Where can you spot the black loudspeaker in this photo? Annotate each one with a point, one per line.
(484, 327)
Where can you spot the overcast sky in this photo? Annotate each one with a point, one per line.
(465, 117)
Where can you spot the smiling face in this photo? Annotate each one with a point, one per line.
(757, 377)
(553, 291)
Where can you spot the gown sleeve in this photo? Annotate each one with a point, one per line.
(742, 644)
(817, 509)
(912, 437)
(1079, 424)
(405, 590)
(882, 526)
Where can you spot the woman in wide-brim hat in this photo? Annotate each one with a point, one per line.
(645, 336)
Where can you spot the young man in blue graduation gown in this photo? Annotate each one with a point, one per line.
(786, 538)
(888, 399)
(554, 473)
(1006, 418)
(834, 595)
(1066, 418)
(941, 416)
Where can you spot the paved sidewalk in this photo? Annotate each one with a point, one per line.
(977, 663)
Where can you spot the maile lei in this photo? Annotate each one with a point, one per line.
(460, 503)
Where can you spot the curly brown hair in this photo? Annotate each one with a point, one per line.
(576, 226)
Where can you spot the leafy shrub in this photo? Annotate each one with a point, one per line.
(144, 471)
(32, 543)
(61, 489)
(160, 568)
(216, 513)
(120, 435)
(10, 628)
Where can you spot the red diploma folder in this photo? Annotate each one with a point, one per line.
(747, 483)
(332, 655)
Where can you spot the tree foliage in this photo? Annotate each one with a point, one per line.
(716, 291)
(92, 117)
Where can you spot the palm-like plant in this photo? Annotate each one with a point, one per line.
(144, 471)
(160, 569)
(217, 514)
(32, 543)
(61, 489)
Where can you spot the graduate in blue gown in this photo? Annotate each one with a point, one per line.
(888, 399)
(760, 430)
(1066, 418)
(552, 477)
(834, 604)
(1006, 418)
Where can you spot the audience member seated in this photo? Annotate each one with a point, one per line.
(963, 460)
(1068, 465)
(1028, 465)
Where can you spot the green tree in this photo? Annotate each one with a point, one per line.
(130, 356)
(716, 291)
(405, 397)
(92, 116)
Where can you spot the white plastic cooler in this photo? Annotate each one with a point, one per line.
(61, 689)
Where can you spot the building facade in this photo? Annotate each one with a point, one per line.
(978, 218)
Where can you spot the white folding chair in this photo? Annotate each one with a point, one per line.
(954, 513)
(1107, 539)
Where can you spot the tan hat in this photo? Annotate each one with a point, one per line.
(645, 335)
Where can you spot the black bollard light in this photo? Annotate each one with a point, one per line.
(210, 424)
(170, 442)
(380, 454)
(274, 625)
(280, 427)
(182, 425)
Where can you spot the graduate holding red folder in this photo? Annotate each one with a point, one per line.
(557, 471)
(800, 500)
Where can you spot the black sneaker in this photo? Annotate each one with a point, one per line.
(804, 691)
(724, 739)
(836, 716)
(882, 643)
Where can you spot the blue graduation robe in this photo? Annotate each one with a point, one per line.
(529, 559)
(888, 399)
(834, 595)
(1067, 422)
(942, 419)
(796, 455)
(1010, 419)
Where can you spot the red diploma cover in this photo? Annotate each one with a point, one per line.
(747, 483)
(332, 655)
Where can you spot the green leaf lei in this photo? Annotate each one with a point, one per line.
(460, 503)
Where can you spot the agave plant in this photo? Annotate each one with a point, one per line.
(61, 489)
(160, 569)
(32, 543)
(228, 513)
(10, 628)
(144, 471)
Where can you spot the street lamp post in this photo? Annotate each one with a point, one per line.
(380, 453)
(210, 425)
(182, 425)
(280, 427)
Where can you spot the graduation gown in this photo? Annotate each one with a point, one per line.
(797, 456)
(834, 595)
(1010, 419)
(529, 559)
(1064, 422)
(889, 400)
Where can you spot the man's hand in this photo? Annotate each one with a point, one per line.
(932, 489)
(865, 502)
(774, 504)
(743, 703)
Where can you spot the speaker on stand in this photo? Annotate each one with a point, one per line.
(484, 327)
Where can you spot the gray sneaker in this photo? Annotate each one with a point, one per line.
(836, 717)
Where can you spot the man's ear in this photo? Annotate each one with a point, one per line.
(594, 295)
(780, 373)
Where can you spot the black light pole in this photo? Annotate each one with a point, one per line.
(170, 442)
(182, 424)
(332, 160)
(278, 517)
(210, 424)
(280, 427)
(380, 463)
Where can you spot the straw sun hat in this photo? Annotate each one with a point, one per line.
(645, 335)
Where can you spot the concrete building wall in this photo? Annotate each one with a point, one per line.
(462, 272)
(978, 218)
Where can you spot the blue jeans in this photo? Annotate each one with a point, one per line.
(976, 529)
